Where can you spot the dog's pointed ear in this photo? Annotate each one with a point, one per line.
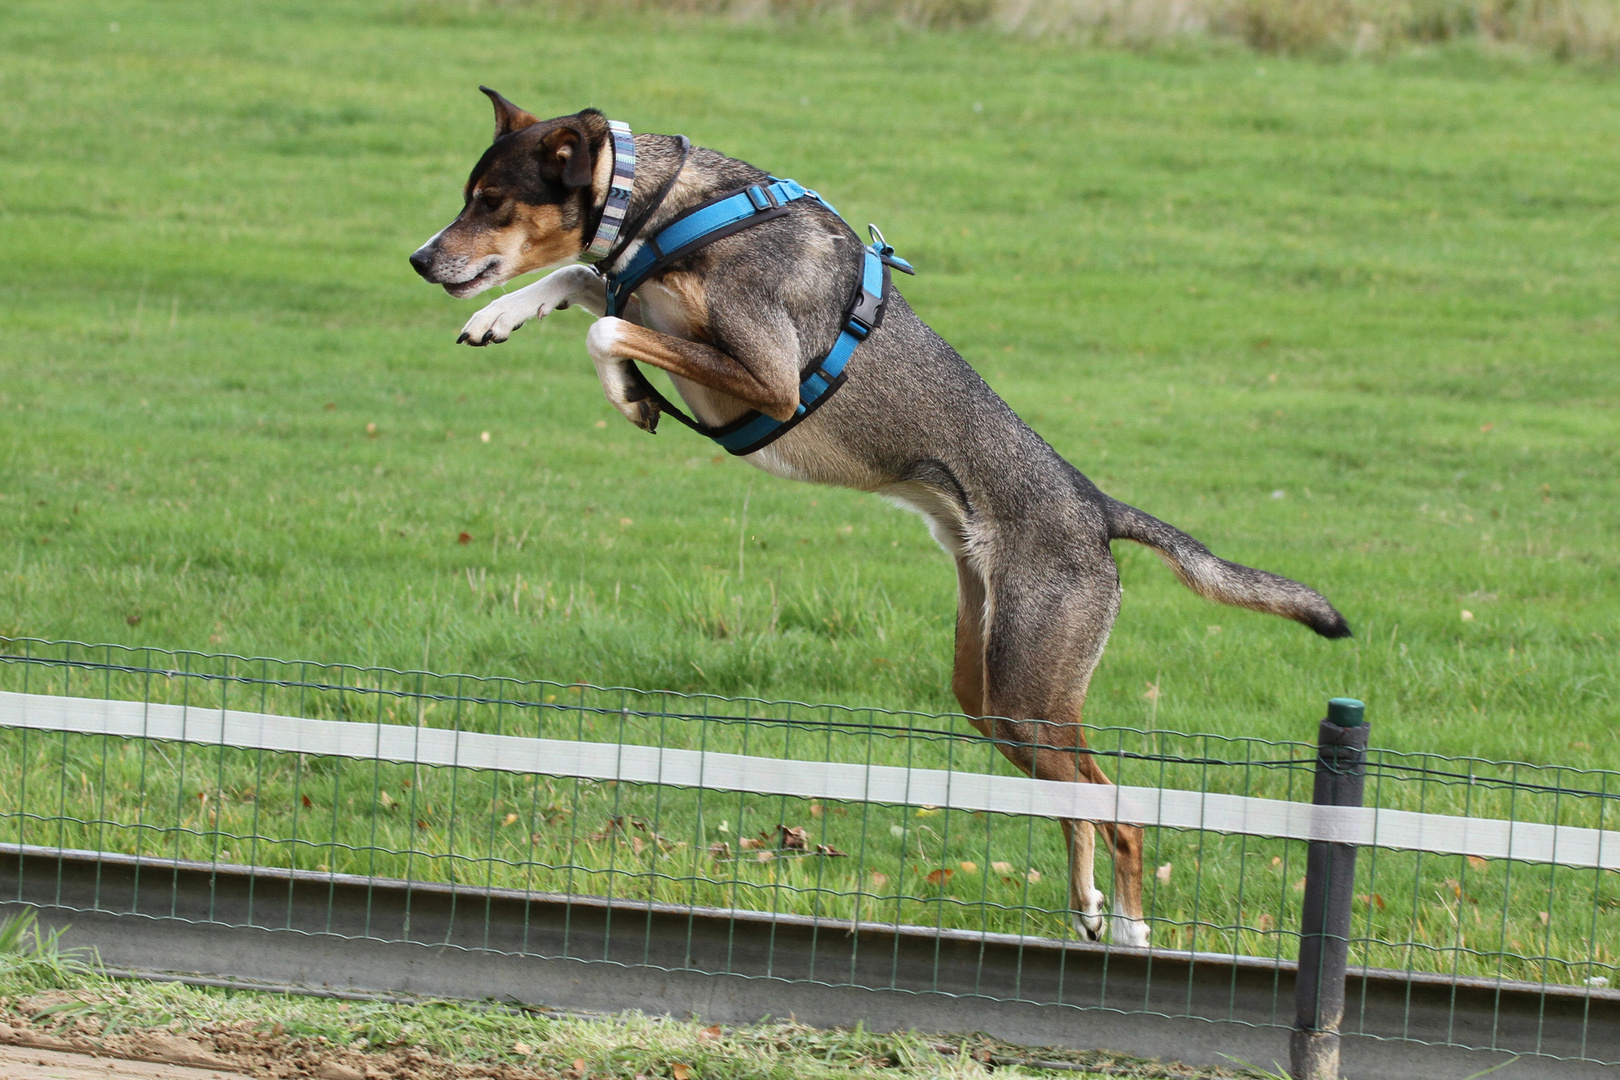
(508, 117)
(568, 150)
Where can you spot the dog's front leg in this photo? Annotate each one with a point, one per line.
(770, 384)
(496, 321)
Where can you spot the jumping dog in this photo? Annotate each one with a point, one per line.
(737, 324)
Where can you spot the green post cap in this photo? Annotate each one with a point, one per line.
(1346, 711)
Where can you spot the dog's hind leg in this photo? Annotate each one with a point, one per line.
(1040, 749)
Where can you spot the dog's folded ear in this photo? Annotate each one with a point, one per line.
(508, 117)
(569, 150)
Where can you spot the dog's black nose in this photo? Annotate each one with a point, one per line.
(421, 260)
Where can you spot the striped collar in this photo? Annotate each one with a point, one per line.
(618, 198)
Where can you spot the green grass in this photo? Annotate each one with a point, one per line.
(48, 987)
(1350, 322)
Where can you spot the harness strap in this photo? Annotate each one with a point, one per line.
(722, 217)
(755, 430)
(701, 226)
(632, 228)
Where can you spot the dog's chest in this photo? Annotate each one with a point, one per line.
(672, 305)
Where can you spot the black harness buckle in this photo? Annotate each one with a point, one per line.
(762, 198)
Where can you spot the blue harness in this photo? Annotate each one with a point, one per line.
(730, 214)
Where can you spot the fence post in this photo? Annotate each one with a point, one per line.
(1330, 874)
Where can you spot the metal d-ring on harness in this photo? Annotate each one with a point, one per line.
(722, 217)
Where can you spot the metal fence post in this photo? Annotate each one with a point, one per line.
(1330, 873)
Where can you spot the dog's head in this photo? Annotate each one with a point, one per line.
(528, 201)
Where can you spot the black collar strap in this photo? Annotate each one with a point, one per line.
(629, 232)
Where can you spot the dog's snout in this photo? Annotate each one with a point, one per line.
(422, 259)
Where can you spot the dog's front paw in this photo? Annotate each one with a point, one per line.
(622, 383)
(647, 414)
(496, 322)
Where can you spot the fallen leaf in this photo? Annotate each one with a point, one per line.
(1276, 860)
(578, 1068)
(307, 803)
(1467, 616)
(1266, 922)
(386, 800)
(710, 1033)
(1371, 900)
(879, 880)
(763, 856)
(483, 436)
(636, 845)
(927, 811)
(1163, 874)
(464, 538)
(828, 849)
(1033, 876)
(720, 851)
(815, 809)
(421, 823)
(371, 429)
(510, 819)
(680, 1071)
(1477, 863)
(1544, 917)
(969, 867)
(1299, 886)
(748, 843)
(794, 838)
(522, 1048)
(1455, 887)
(1002, 867)
(941, 876)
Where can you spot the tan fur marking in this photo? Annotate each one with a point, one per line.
(687, 290)
(534, 239)
(702, 364)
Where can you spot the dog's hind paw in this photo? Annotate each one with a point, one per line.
(1129, 932)
(1088, 921)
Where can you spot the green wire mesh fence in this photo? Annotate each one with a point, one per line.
(513, 826)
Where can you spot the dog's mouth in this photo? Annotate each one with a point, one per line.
(488, 275)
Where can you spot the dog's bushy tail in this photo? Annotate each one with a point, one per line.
(1222, 581)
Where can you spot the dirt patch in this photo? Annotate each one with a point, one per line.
(18, 1063)
(221, 1050)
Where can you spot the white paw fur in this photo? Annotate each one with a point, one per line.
(614, 371)
(1123, 930)
(496, 321)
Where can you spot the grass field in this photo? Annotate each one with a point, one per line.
(51, 992)
(1354, 323)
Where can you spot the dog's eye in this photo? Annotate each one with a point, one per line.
(491, 200)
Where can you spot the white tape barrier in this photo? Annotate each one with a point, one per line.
(1443, 834)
